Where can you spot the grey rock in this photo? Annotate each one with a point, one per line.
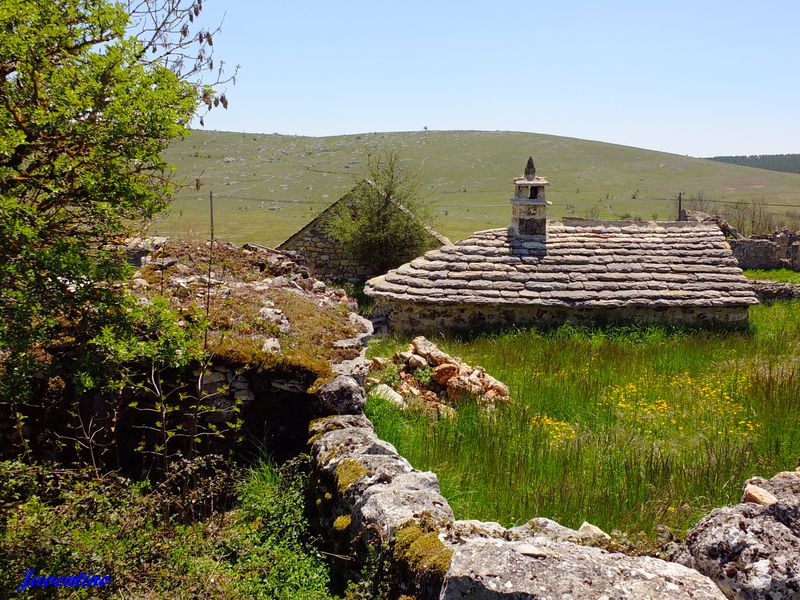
(271, 345)
(385, 506)
(546, 569)
(415, 361)
(750, 550)
(336, 422)
(356, 368)
(245, 396)
(472, 528)
(541, 526)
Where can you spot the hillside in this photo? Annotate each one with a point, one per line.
(268, 186)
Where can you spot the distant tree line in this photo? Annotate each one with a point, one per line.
(788, 163)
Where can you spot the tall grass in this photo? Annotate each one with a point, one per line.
(779, 275)
(628, 428)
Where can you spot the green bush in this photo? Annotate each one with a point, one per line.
(60, 522)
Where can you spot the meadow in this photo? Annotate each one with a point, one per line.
(632, 429)
(266, 187)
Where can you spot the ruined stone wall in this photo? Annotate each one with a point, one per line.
(419, 318)
(758, 253)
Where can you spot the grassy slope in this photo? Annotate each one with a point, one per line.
(268, 186)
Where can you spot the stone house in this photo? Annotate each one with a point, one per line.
(315, 243)
(545, 272)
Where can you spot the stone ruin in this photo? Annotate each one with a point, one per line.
(780, 249)
(315, 244)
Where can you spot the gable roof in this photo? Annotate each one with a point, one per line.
(579, 263)
(329, 211)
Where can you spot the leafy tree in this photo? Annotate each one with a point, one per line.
(383, 223)
(91, 93)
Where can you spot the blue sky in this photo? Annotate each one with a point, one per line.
(697, 78)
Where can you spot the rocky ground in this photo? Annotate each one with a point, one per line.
(263, 306)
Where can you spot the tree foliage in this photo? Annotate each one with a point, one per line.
(91, 93)
(383, 221)
(789, 163)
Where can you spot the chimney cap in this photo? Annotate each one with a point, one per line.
(530, 169)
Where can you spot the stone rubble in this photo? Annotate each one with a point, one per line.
(451, 380)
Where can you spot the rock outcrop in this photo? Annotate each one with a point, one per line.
(752, 550)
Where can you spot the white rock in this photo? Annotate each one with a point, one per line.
(385, 392)
(271, 345)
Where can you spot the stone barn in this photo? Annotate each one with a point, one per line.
(323, 254)
(545, 272)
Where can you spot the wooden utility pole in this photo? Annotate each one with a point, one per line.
(210, 261)
(680, 205)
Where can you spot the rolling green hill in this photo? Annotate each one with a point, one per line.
(268, 186)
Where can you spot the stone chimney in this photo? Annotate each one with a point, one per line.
(529, 207)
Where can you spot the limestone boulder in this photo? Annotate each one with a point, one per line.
(430, 351)
(387, 505)
(341, 396)
(543, 568)
(751, 550)
(384, 391)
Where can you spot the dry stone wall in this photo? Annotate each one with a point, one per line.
(757, 254)
(323, 255)
(407, 318)
(779, 249)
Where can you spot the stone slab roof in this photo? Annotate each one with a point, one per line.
(579, 263)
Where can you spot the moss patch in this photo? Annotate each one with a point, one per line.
(347, 473)
(341, 523)
(238, 292)
(421, 551)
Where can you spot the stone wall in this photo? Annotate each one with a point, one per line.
(779, 249)
(753, 253)
(419, 318)
(769, 291)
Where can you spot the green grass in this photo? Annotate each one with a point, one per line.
(266, 187)
(781, 275)
(627, 428)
